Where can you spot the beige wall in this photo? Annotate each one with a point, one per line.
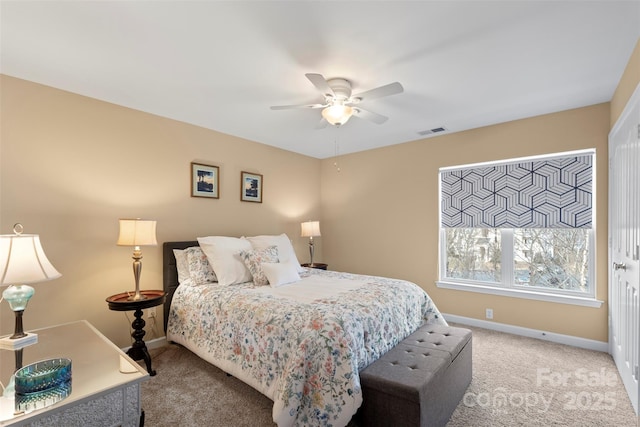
(628, 83)
(71, 166)
(380, 212)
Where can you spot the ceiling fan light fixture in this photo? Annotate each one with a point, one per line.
(337, 114)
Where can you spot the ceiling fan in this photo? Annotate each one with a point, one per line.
(339, 105)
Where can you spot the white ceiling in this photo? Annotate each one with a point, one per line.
(222, 64)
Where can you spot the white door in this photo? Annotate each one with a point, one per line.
(624, 248)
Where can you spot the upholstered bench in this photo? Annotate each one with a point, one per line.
(420, 381)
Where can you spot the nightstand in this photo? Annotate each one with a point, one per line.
(318, 265)
(121, 302)
(103, 394)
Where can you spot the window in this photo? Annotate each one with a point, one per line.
(523, 227)
(473, 254)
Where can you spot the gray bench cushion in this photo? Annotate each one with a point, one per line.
(420, 381)
(438, 337)
(405, 371)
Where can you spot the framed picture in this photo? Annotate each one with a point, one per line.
(251, 187)
(205, 181)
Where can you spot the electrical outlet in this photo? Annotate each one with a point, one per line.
(489, 313)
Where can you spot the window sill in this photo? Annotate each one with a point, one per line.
(517, 293)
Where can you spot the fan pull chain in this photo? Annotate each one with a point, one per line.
(336, 152)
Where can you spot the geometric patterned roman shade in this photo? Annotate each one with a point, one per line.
(551, 192)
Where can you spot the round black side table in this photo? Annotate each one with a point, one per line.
(121, 302)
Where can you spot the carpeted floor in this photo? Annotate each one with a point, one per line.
(517, 381)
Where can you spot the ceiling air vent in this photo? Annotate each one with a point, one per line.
(431, 131)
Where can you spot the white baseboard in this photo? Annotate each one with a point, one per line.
(495, 326)
(156, 343)
(531, 333)
(151, 344)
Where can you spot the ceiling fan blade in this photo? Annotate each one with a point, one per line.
(320, 83)
(379, 92)
(288, 107)
(370, 115)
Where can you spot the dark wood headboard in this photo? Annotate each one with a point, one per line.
(170, 273)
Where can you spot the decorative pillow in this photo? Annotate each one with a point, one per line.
(285, 249)
(200, 269)
(182, 265)
(253, 260)
(281, 273)
(224, 256)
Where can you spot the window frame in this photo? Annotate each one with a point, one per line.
(507, 286)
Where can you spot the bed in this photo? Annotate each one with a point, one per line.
(301, 344)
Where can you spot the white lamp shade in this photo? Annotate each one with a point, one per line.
(337, 114)
(310, 229)
(137, 232)
(23, 261)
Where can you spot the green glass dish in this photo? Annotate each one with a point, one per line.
(42, 384)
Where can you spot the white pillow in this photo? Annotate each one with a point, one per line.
(224, 255)
(182, 265)
(285, 249)
(280, 273)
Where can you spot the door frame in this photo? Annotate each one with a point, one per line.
(634, 100)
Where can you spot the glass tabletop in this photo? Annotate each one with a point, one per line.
(98, 365)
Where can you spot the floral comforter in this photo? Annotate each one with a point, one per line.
(304, 354)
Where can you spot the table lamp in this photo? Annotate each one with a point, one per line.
(310, 229)
(137, 232)
(22, 262)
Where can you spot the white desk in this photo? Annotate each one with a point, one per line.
(101, 395)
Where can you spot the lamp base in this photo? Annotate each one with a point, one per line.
(7, 343)
(136, 297)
